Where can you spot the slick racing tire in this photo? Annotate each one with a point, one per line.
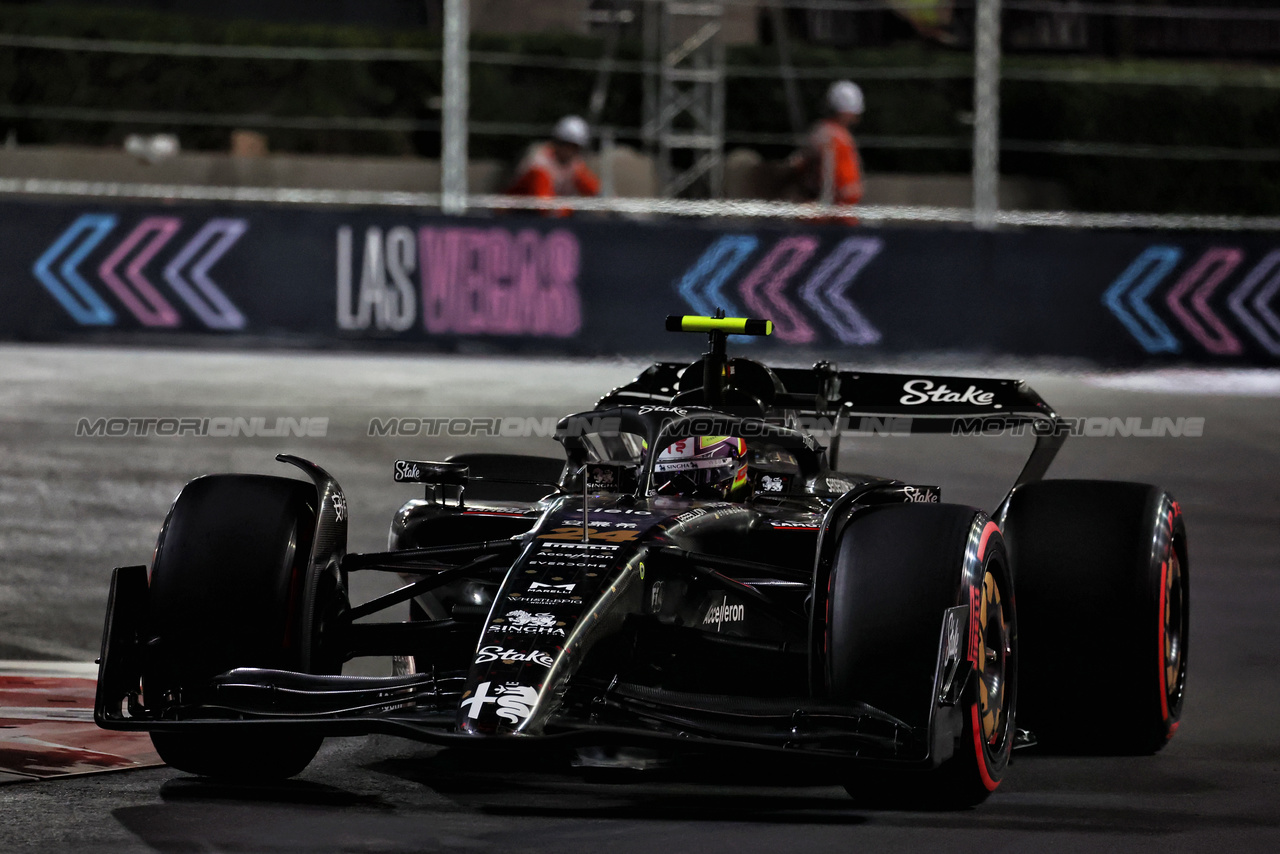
(897, 570)
(1104, 597)
(227, 591)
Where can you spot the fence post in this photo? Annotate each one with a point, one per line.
(453, 143)
(986, 114)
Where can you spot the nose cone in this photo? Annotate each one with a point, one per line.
(494, 708)
(563, 593)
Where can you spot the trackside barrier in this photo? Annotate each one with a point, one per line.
(74, 269)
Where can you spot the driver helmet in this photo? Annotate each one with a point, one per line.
(702, 466)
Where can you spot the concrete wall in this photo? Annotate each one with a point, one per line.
(747, 176)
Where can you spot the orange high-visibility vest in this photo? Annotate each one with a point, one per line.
(541, 175)
(833, 170)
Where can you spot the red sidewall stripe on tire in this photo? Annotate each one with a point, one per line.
(992, 528)
(1160, 615)
(980, 752)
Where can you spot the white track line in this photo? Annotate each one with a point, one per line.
(83, 669)
(1242, 382)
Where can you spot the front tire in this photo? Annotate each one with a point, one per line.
(227, 590)
(897, 570)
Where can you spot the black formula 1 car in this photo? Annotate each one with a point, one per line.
(622, 602)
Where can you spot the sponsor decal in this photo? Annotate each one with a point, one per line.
(954, 629)
(514, 702)
(923, 391)
(975, 631)
(407, 470)
(513, 656)
(524, 618)
(540, 593)
(557, 588)
(921, 495)
(578, 564)
(524, 623)
(647, 408)
(339, 506)
(800, 526)
(655, 597)
(611, 477)
(595, 547)
(718, 615)
(575, 533)
(769, 483)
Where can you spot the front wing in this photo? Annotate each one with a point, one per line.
(424, 707)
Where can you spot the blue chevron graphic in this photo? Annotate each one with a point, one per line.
(700, 286)
(1151, 266)
(84, 305)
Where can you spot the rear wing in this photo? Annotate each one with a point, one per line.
(824, 399)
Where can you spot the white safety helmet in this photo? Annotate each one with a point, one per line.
(844, 96)
(573, 130)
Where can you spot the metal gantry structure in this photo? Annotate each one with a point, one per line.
(684, 96)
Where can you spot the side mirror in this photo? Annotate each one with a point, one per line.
(443, 480)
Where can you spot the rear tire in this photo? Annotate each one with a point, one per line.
(227, 591)
(897, 570)
(1104, 595)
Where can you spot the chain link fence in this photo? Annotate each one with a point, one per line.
(1141, 115)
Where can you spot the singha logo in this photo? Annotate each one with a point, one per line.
(524, 618)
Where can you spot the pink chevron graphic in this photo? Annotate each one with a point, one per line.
(1263, 324)
(763, 286)
(143, 299)
(1202, 280)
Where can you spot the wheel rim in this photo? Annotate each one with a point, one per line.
(993, 658)
(1174, 647)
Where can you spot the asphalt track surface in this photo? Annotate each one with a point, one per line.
(71, 508)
